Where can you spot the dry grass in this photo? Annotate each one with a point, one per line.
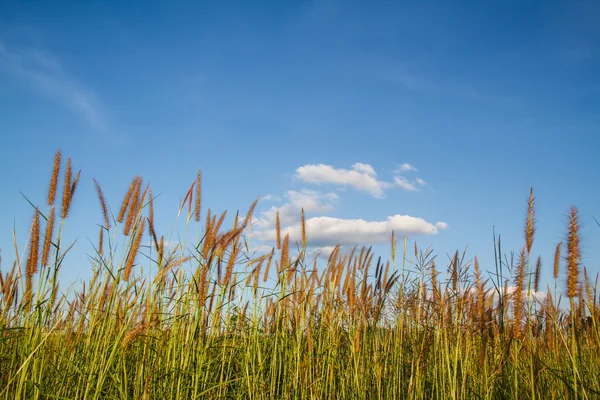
(214, 320)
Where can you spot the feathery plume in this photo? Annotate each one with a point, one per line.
(127, 199)
(518, 293)
(66, 190)
(54, 179)
(557, 259)
(32, 260)
(134, 250)
(133, 206)
(266, 275)
(278, 230)
(573, 254)
(284, 263)
(48, 237)
(101, 241)
(530, 222)
(102, 204)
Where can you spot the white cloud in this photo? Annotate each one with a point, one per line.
(309, 200)
(405, 168)
(328, 231)
(405, 184)
(441, 226)
(44, 74)
(361, 177)
(271, 197)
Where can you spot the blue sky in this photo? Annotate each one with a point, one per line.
(432, 118)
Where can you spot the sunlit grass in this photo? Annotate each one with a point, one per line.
(218, 321)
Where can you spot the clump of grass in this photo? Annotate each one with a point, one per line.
(215, 320)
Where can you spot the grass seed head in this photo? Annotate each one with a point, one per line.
(573, 254)
(54, 179)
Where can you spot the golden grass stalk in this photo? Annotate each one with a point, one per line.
(230, 264)
(480, 294)
(248, 218)
(518, 293)
(133, 206)
(48, 237)
(278, 230)
(102, 204)
(284, 262)
(557, 259)
(266, 274)
(66, 190)
(530, 221)
(573, 254)
(54, 179)
(134, 250)
(198, 196)
(32, 259)
(126, 200)
(73, 188)
(101, 241)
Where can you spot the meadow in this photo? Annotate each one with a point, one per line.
(217, 320)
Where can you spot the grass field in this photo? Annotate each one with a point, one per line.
(216, 321)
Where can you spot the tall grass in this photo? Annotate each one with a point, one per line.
(217, 321)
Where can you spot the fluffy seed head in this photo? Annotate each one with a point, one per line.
(530, 222)
(573, 254)
(66, 190)
(54, 179)
(557, 259)
(48, 237)
(278, 230)
(102, 204)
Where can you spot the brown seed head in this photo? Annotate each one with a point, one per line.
(557, 259)
(530, 222)
(573, 254)
(134, 250)
(54, 179)
(127, 199)
(102, 204)
(66, 190)
(284, 263)
(48, 237)
(278, 230)
(34, 244)
(101, 241)
(518, 293)
(134, 204)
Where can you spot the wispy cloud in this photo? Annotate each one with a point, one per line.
(361, 177)
(428, 85)
(44, 74)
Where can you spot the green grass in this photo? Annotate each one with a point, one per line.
(208, 325)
